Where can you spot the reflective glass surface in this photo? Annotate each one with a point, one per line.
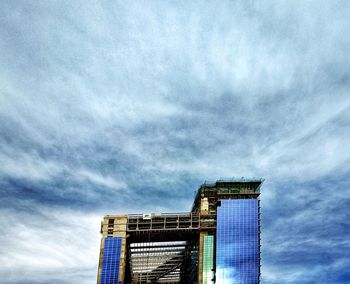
(111, 259)
(208, 257)
(237, 242)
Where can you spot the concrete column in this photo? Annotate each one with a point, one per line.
(200, 256)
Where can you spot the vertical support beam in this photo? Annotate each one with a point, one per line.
(204, 210)
(259, 224)
(120, 231)
(100, 261)
(200, 256)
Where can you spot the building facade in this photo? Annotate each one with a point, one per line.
(218, 241)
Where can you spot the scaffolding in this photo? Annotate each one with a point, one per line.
(174, 247)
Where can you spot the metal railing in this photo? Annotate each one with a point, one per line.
(164, 221)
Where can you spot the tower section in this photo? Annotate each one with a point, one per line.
(113, 250)
(229, 242)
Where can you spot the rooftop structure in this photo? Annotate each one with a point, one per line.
(218, 241)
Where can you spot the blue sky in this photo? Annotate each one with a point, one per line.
(113, 107)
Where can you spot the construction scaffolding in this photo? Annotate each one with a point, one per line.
(171, 247)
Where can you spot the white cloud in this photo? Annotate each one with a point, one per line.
(43, 244)
(101, 179)
(27, 165)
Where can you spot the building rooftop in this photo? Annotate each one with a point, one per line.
(229, 186)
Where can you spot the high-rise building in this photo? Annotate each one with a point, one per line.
(218, 241)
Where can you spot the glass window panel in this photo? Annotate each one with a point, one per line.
(237, 242)
(110, 261)
(208, 257)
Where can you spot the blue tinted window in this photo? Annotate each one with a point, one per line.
(237, 242)
(111, 259)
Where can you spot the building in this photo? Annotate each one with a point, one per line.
(218, 241)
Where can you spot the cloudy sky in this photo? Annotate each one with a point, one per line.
(113, 107)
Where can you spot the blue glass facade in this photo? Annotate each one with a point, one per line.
(111, 260)
(237, 242)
